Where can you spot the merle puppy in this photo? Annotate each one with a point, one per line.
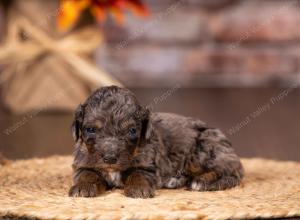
(121, 144)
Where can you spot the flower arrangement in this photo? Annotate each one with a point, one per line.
(49, 58)
(70, 10)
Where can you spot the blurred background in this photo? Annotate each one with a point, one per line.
(234, 64)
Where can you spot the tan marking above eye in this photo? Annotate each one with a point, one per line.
(126, 124)
(98, 124)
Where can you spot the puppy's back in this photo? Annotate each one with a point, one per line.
(178, 132)
(188, 137)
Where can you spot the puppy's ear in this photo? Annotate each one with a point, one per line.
(77, 123)
(146, 127)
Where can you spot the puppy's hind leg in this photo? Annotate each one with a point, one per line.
(222, 167)
(223, 183)
(203, 181)
(211, 182)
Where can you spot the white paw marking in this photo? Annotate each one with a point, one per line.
(197, 186)
(174, 182)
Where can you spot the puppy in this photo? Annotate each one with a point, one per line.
(121, 144)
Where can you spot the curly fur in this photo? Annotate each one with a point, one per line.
(165, 151)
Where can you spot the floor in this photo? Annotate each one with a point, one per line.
(260, 122)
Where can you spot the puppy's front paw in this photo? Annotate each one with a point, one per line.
(139, 192)
(137, 186)
(84, 190)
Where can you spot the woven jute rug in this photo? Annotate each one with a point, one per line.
(38, 189)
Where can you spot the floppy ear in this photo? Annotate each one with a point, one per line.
(77, 123)
(146, 127)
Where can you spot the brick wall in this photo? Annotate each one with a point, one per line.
(207, 43)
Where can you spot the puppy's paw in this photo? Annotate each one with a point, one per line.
(198, 185)
(137, 186)
(139, 192)
(203, 182)
(85, 190)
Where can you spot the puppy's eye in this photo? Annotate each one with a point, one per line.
(132, 132)
(90, 130)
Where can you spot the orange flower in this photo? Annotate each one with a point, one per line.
(70, 10)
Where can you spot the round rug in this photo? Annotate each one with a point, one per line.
(38, 189)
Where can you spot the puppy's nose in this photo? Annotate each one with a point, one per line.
(110, 159)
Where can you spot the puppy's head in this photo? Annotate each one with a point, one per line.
(109, 127)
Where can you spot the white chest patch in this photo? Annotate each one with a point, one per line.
(114, 179)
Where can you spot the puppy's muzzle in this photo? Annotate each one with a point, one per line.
(110, 159)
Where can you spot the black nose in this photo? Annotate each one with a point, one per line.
(110, 159)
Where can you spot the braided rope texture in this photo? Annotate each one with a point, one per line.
(37, 189)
